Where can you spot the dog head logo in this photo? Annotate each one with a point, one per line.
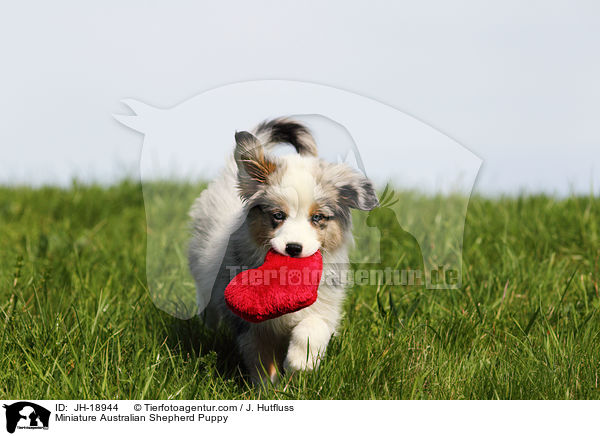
(409, 150)
(26, 415)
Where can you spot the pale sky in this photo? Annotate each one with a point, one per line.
(517, 83)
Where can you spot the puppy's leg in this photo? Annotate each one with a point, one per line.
(261, 351)
(308, 343)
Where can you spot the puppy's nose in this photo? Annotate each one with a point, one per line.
(293, 249)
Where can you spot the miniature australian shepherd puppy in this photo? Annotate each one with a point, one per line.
(294, 204)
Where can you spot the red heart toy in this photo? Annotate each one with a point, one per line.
(281, 285)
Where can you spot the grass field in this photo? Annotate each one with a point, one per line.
(76, 320)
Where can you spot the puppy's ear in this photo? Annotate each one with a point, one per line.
(254, 168)
(353, 188)
(359, 194)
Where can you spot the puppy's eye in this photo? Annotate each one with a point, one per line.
(278, 216)
(318, 217)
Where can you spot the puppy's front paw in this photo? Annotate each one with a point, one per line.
(308, 342)
(298, 360)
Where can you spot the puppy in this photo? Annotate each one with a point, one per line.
(294, 204)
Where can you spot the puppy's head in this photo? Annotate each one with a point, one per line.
(298, 204)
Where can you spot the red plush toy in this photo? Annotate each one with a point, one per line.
(281, 285)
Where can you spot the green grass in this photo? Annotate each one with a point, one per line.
(76, 320)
